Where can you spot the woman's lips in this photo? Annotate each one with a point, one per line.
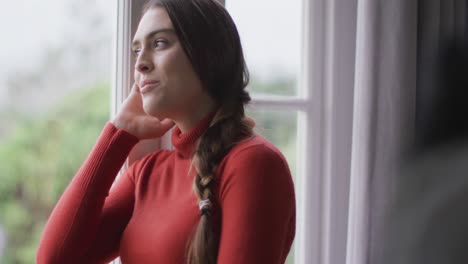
(146, 86)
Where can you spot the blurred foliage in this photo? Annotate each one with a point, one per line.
(38, 160)
(279, 127)
(279, 85)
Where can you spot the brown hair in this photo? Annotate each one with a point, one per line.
(210, 40)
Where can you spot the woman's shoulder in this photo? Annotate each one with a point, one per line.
(255, 162)
(257, 146)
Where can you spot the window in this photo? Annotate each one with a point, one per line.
(272, 50)
(301, 57)
(302, 101)
(275, 73)
(55, 57)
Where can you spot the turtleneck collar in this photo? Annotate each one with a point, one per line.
(185, 142)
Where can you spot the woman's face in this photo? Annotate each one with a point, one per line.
(168, 83)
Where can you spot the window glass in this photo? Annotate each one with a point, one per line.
(280, 128)
(56, 58)
(270, 32)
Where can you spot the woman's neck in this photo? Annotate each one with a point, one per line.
(191, 120)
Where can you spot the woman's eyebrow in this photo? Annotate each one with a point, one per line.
(152, 33)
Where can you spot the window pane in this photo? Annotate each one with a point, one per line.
(280, 128)
(270, 31)
(54, 100)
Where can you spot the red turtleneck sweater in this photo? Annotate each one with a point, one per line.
(149, 214)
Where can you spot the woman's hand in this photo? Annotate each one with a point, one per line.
(133, 119)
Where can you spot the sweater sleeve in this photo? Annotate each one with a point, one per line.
(87, 221)
(258, 208)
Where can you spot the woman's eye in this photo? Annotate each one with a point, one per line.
(136, 52)
(159, 44)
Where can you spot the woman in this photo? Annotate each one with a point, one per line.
(224, 195)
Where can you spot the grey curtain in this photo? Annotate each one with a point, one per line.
(394, 116)
(441, 23)
(384, 107)
(418, 208)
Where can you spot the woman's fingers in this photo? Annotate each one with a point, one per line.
(135, 88)
(159, 128)
(151, 127)
(167, 124)
(135, 94)
(132, 118)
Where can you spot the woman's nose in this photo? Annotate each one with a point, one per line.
(144, 63)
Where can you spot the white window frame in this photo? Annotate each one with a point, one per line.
(325, 106)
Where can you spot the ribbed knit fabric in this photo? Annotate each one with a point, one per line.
(184, 143)
(149, 214)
